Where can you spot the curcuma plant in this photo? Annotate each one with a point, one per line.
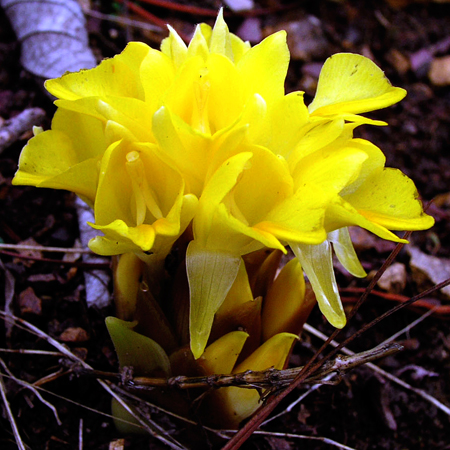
(202, 173)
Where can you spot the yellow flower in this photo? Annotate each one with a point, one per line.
(140, 202)
(204, 134)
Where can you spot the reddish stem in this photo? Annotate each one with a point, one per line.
(152, 18)
(197, 10)
(441, 310)
(87, 266)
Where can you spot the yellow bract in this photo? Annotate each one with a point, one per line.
(204, 135)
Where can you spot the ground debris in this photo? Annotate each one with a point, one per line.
(428, 270)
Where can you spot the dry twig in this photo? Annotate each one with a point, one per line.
(152, 428)
(13, 128)
(12, 421)
(42, 248)
(383, 373)
(270, 378)
(32, 389)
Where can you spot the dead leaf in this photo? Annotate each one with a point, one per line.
(29, 302)
(118, 444)
(429, 270)
(32, 253)
(363, 240)
(42, 277)
(303, 414)
(74, 334)
(49, 30)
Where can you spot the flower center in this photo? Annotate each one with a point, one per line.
(200, 119)
(144, 198)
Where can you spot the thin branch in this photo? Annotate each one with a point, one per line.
(270, 378)
(80, 434)
(410, 326)
(292, 405)
(172, 443)
(29, 352)
(32, 389)
(325, 440)
(83, 265)
(189, 9)
(43, 248)
(382, 372)
(122, 20)
(10, 415)
(12, 129)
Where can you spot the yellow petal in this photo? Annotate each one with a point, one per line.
(240, 403)
(390, 199)
(299, 218)
(330, 169)
(221, 355)
(49, 160)
(263, 68)
(372, 166)
(284, 307)
(174, 47)
(220, 41)
(190, 160)
(226, 96)
(131, 113)
(239, 294)
(239, 47)
(284, 125)
(342, 214)
(318, 135)
(351, 83)
(157, 72)
(199, 44)
(317, 263)
(223, 180)
(116, 76)
(127, 274)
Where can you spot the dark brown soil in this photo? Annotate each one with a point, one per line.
(364, 411)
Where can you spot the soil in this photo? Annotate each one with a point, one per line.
(364, 411)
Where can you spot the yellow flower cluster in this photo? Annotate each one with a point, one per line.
(204, 135)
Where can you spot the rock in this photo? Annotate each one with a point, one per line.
(394, 278)
(439, 72)
(250, 30)
(398, 60)
(305, 38)
(240, 5)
